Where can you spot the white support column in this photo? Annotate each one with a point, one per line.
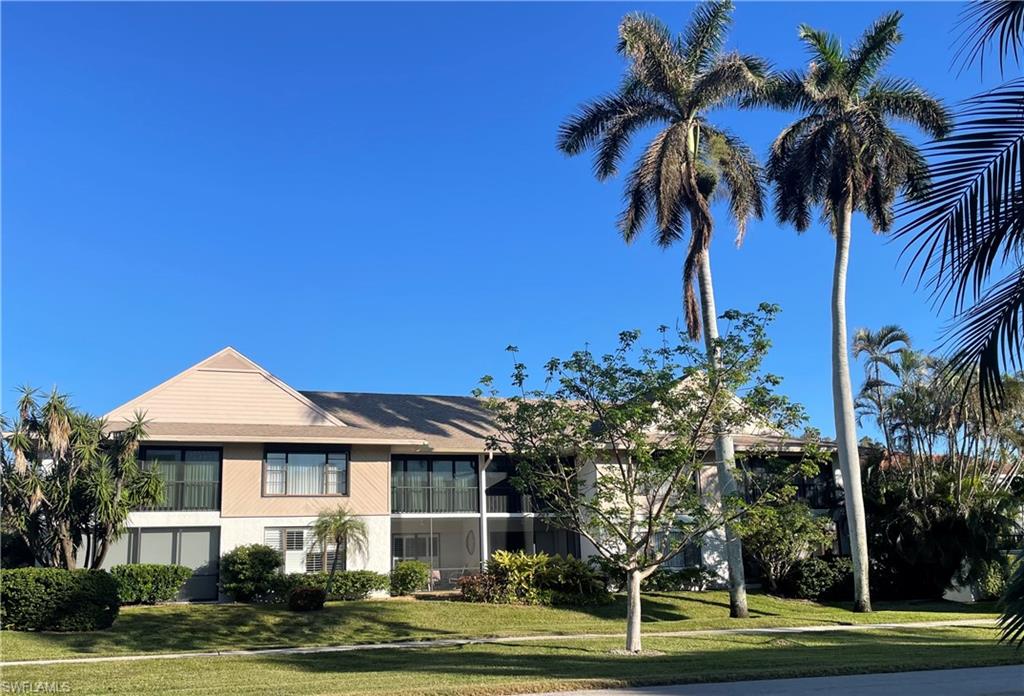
(482, 461)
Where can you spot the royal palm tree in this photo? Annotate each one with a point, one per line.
(672, 83)
(344, 531)
(966, 237)
(881, 348)
(844, 156)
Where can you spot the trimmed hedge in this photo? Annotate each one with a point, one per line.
(348, 585)
(306, 599)
(250, 573)
(55, 599)
(408, 577)
(149, 583)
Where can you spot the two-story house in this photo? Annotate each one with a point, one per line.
(248, 459)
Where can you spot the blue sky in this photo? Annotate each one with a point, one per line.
(368, 197)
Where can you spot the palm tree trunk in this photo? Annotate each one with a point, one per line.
(633, 640)
(725, 453)
(846, 426)
(334, 566)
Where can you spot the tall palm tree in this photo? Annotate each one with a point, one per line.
(343, 530)
(967, 236)
(843, 155)
(672, 83)
(881, 348)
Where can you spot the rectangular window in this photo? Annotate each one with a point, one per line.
(191, 476)
(300, 550)
(296, 471)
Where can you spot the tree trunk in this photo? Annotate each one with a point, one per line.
(334, 566)
(846, 426)
(724, 451)
(633, 642)
(67, 550)
(100, 550)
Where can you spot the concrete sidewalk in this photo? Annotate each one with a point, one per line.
(977, 681)
(455, 642)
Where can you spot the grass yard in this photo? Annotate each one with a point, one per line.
(199, 627)
(548, 665)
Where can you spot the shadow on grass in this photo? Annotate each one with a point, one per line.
(696, 659)
(236, 626)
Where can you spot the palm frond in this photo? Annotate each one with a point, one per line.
(991, 21)
(904, 100)
(827, 55)
(728, 80)
(743, 177)
(974, 215)
(874, 47)
(592, 120)
(638, 201)
(784, 90)
(1011, 623)
(654, 63)
(988, 335)
(704, 36)
(669, 168)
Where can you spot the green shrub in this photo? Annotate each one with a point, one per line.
(356, 584)
(572, 582)
(522, 578)
(479, 587)
(54, 599)
(408, 577)
(348, 584)
(992, 580)
(306, 599)
(250, 573)
(819, 578)
(149, 583)
(678, 580)
(662, 580)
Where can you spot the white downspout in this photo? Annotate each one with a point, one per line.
(482, 462)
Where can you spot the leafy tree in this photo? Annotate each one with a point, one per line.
(967, 235)
(615, 445)
(344, 531)
(67, 479)
(674, 83)
(843, 155)
(779, 535)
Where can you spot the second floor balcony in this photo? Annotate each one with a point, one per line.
(435, 500)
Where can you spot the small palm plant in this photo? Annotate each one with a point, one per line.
(344, 531)
(882, 349)
(844, 156)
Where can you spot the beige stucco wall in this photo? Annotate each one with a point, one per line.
(369, 485)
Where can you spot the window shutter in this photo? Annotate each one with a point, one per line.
(272, 538)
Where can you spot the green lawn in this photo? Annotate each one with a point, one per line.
(549, 665)
(172, 628)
